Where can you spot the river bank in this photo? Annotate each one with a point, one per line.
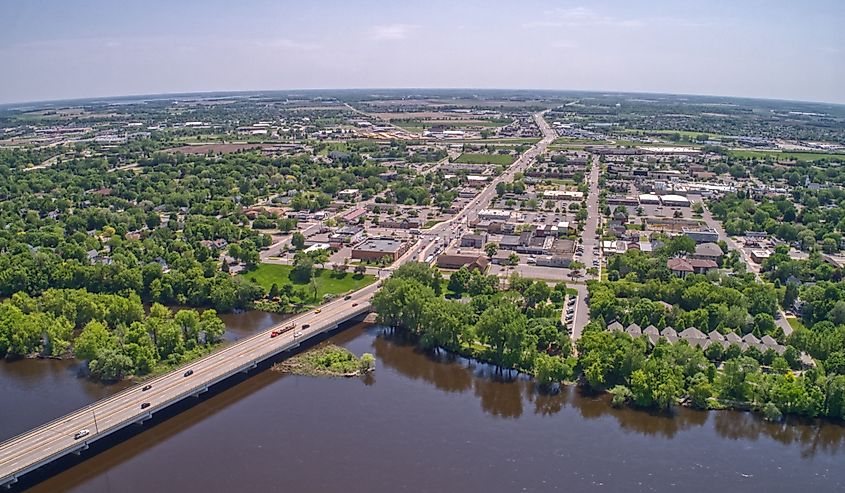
(422, 412)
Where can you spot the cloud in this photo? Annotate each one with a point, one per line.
(393, 31)
(580, 17)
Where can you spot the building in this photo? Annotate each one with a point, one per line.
(477, 181)
(649, 198)
(760, 255)
(701, 235)
(494, 214)
(378, 248)
(474, 240)
(348, 234)
(562, 195)
(354, 215)
(456, 261)
(674, 200)
(349, 195)
(708, 251)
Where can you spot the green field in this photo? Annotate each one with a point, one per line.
(503, 159)
(327, 282)
(796, 155)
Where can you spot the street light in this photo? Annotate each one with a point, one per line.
(96, 428)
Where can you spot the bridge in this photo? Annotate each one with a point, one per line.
(46, 443)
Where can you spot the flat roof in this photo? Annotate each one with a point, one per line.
(674, 198)
(386, 245)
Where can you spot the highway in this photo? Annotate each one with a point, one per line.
(41, 445)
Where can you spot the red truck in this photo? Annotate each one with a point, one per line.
(281, 331)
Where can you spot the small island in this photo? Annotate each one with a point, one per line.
(328, 361)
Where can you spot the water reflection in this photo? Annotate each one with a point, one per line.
(507, 398)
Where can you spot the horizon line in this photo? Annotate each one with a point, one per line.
(5, 105)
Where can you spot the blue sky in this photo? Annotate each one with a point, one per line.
(54, 49)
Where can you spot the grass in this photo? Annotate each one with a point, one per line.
(431, 223)
(327, 281)
(796, 155)
(795, 323)
(503, 159)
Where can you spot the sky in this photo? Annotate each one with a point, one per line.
(779, 49)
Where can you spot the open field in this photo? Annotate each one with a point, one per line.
(796, 155)
(327, 282)
(503, 159)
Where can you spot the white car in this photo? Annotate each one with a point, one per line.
(80, 434)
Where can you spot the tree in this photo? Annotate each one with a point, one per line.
(93, 338)
(459, 280)
(360, 269)
(503, 328)
(211, 326)
(550, 370)
(367, 363)
(490, 249)
(110, 364)
(298, 240)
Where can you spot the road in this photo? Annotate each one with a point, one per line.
(55, 439)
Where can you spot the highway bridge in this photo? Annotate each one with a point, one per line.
(40, 446)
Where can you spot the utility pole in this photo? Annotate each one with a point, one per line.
(96, 428)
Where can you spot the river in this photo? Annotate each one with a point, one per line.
(422, 423)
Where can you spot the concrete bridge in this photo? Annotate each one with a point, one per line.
(46, 443)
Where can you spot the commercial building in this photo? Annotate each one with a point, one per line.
(378, 248)
(494, 214)
(701, 235)
(456, 261)
(674, 200)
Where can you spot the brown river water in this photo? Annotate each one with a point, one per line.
(419, 423)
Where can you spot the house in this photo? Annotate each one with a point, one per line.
(615, 327)
(679, 267)
(634, 330)
(474, 240)
(669, 334)
(702, 266)
(733, 339)
(691, 333)
(710, 251)
(456, 261)
(760, 255)
(652, 334)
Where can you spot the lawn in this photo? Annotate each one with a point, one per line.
(503, 159)
(327, 281)
(795, 323)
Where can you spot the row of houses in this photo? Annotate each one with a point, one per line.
(697, 338)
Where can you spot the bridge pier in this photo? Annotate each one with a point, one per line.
(250, 367)
(8, 484)
(200, 391)
(144, 418)
(81, 449)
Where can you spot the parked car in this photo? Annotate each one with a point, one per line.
(188, 373)
(81, 433)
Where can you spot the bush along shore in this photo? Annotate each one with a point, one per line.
(327, 361)
(518, 328)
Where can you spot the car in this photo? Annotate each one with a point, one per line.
(354, 304)
(305, 326)
(275, 333)
(348, 297)
(318, 310)
(570, 311)
(188, 373)
(145, 405)
(572, 300)
(146, 388)
(81, 433)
